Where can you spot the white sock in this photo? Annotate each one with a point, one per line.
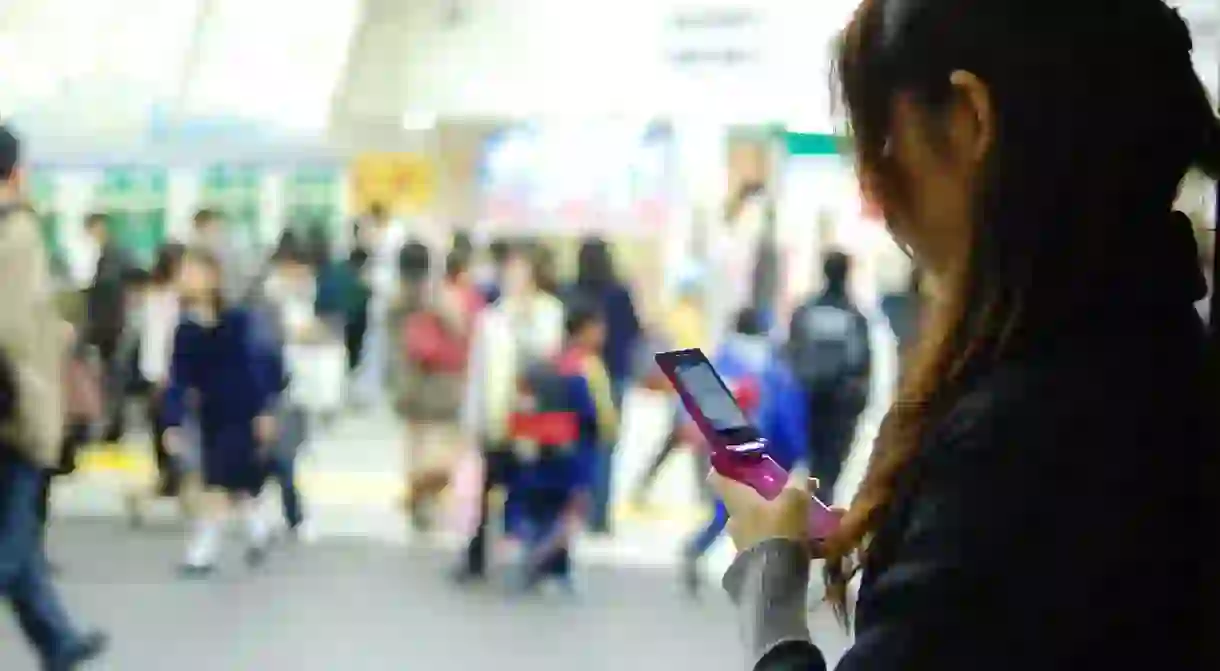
(204, 545)
(255, 523)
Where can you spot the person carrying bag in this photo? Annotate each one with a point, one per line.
(31, 427)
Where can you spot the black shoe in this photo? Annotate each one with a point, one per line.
(421, 521)
(193, 572)
(88, 648)
(256, 556)
(168, 488)
(464, 575)
(691, 580)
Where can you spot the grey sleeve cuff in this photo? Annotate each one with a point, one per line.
(768, 585)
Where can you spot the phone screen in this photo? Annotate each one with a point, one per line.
(714, 400)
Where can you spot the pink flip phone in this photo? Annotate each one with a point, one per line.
(738, 450)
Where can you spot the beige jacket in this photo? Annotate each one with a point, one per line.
(32, 339)
(493, 369)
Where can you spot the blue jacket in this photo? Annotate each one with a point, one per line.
(782, 412)
(235, 372)
(573, 469)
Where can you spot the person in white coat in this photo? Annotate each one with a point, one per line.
(525, 325)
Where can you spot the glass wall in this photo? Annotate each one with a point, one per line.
(312, 199)
(136, 199)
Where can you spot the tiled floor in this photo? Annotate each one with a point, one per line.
(361, 605)
(367, 595)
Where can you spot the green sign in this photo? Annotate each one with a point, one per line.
(815, 144)
(311, 198)
(43, 190)
(135, 199)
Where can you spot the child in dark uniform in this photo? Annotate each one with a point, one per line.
(232, 381)
(571, 419)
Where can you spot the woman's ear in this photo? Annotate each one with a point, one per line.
(972, 118)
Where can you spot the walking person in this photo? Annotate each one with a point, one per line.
(828, 350)
(214, 233)
(383, 238)
(357, 296)
(176, 476)
(565, 419)
(524, 327)
(685, 327)
(288, 299)
(106, 302)
(32, 346)
(223, 370)
(435, 321)
(598, 284)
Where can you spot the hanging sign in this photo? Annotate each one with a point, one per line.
(404, 183)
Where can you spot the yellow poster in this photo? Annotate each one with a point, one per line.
(405, 183)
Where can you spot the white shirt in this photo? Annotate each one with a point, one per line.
(295, 299)
(161, 316)
(496, 354)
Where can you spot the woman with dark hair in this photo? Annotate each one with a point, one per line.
(232, 380)
(1042, 493)
(599, 285)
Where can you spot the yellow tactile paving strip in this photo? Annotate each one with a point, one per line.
(369, 489)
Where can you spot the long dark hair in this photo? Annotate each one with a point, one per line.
(1099, 115)
(169, 259)
(594, 265)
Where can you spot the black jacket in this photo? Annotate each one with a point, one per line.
(850, 394)
(1063, 516)
(106, 297)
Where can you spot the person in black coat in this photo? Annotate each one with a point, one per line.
(597, 284)
(106, 310)
(1043, 494)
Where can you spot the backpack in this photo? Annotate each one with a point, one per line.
(429, 343)
(826, 347)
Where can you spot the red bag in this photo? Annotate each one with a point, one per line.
(428, 343)
(545, 428)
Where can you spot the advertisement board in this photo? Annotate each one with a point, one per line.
(613, 178)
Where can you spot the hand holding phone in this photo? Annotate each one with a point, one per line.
(755, 519)
(738, 450)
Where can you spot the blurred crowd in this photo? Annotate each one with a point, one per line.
(480, 348)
